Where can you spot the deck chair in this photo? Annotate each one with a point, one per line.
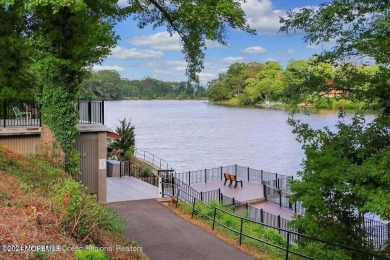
(32, 110)
(21, 115)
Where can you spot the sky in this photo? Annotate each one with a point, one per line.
(142, 53)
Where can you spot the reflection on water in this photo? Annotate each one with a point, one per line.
(193, 135)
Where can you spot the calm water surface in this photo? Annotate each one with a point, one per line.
(193, 135)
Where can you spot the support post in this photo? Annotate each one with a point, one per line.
(261, 176)
(221, 173)
(4, 113)
(215, 214)
(193, 208)
(279, 221)
(248, 173)
(265, 191)
(89, 111)
(280, 198)
(242, 223)
(288, 245)
(177, 198)
(205, 175)
(189, 178)
(261, 215)
(102, 111)
(235, 170)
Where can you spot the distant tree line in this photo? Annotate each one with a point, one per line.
(108, 85)
(267, 83)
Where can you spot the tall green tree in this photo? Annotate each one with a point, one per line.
(268, 84)
(64, 38)
(346, 172)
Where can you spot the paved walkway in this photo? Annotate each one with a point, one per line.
(165, 236)
(129, 188)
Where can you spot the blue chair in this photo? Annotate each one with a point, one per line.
(21, 115)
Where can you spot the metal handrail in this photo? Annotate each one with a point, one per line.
(152, 159)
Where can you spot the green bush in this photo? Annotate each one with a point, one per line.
(90, 254)
(148, 171)
(81, 212)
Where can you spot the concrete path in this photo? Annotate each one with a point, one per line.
(129, 188)
(165, 236)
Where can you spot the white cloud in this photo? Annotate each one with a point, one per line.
(261, 16)
(158, 41)
(114, 67)
(214, 44)
(290, 52)
(123, 3)
(312, 47)
(205, 77)
(134, 53)
(230, 60)
(254, 49)
(162, 72)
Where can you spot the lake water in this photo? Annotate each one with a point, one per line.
(194, 135)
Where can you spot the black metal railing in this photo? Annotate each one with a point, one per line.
(215, 174)
(91, 112)
(276, 188)
(294, 245)
(14, 113)
(152, 159)
(133, 169)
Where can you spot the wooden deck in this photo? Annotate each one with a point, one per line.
(129, 188)
(250, 191)
(274, 209)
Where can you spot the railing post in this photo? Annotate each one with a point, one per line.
(201, 196)
(265, 191)
(193, 208)
(279, 221)
(177, 198)
(162, 186)
(280, 198)
(221, 173)
(277, 183)
(288, 245)
(261, 215)
(4, 113)
(242, 223)
(215, 214)
(102, 111)
(89, 111)
(261, 176)
(205, 175)
(173, 184)
(295, 207)
(248, 173)
(219, 195)
(235, 170)
(189, 178)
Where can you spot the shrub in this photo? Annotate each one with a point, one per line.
(90, 254)
(81, 212)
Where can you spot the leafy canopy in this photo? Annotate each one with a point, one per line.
(346, 172)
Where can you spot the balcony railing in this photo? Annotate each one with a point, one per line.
(91, 112)
(25, 113)
(15, 113)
